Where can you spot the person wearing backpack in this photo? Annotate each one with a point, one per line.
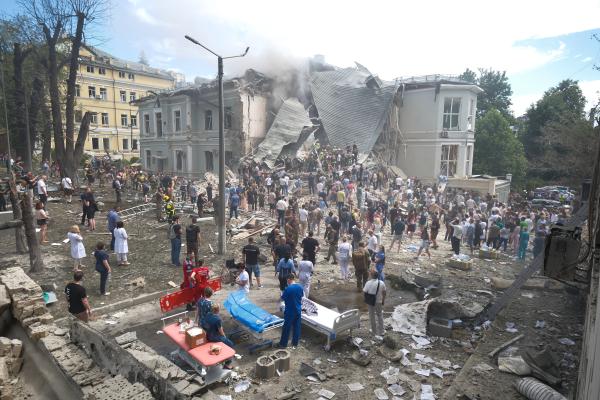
(192, 238)
(285, 267)
(374, 292)
(175, 237)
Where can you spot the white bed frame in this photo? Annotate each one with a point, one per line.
(331, 323)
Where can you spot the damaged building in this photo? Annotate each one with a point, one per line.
(424, 126)
(180, 127)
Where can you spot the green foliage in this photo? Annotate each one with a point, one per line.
(496, 90)
(498, 151)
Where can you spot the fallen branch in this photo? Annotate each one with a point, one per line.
(505, 345)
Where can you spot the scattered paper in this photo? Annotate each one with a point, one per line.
(566, 342)
(328, 394)
(225, 397)
(66, 241)
(381, 394)
(445, 363)
(355, 386)
(405, 361)
(427, 392)
(482, 367)
(396, 390)
(437, 372)
(422, 372)
(242, 386)
(357, 341)
(421, 341)
(55, 244)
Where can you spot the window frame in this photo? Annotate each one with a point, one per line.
(132, 96)
(95, 143)
(177, 120)
(125, 144)
(124, 125)
(133, 120)
(208, 120)
(90, 69)
(208, 156)
(451, 115)
(77, 91)
(107, 123)
(134, 145)
(103, 93)
(158, 124)
(94, 118)
(101, 70)
(122, 74)
(446, 161)
(147, 124)
(123, 96)
(106, 144)
(131, 76)
(92, 89)
(468, 159)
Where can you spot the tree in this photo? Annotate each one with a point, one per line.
(55, 17)
(497, 150)
(36, 262)
(562, 104)
(496, 90)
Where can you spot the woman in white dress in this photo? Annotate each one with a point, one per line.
(305, 271)
(77, 247)
(121, 246)
(344, 251)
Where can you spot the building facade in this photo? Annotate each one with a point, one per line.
(180, 128)
(109, 88)
(437, 127)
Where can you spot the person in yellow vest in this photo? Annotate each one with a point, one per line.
(169, 208)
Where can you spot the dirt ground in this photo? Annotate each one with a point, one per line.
(149, 255)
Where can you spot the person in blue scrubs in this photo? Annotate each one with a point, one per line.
(292, 297)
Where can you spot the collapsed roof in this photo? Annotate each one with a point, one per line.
(353, 105)
(288, 129)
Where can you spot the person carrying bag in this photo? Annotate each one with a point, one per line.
(374, 293)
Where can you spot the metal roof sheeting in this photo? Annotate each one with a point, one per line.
(351, 111)
(286, 129)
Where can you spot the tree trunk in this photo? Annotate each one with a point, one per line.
(35, 253)
(17, 223)
(19, 98)
(53, 89)
(70, 160)
(20, 244)
(46, 131)
(35, 105)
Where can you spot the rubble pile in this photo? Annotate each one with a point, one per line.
(11, 361)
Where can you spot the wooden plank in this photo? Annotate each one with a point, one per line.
(505, 345)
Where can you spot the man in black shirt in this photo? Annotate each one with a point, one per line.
(77, 298)
(281, 250)
(209, 191)
(175, 237)
(192, 238)
(251, 253)
(310, 245)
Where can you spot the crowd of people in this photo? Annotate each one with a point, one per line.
(327, 201)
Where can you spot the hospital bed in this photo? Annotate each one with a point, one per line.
(327, 321)
(252, 319)
(208, 366)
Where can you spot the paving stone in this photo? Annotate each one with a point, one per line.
(46, 318)
(40, 309)
(192, 389)
(181, 385)
(25, 322)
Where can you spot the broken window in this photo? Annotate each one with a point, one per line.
(227, 118)
(103, 93)
(147, 124)
(148, 159)
(179, 156)
(208, 155)
(106, 144)
(95, 145)
(468, 161)
(208, 123)
(451, 113)
(449, 160)
(158, 117)
(177, 120)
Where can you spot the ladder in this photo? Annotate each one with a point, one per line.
(136, 210)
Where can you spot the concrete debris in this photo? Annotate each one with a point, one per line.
(483, 367)
(126, 338)
(241, 386)
(513, 364)
(566, 342)
(361, 359)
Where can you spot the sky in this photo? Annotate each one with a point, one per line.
(538, 43)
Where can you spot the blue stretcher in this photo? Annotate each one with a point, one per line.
(252, 318)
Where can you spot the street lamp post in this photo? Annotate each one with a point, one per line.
(221, 216)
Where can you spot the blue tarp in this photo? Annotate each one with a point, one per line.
(248, 313)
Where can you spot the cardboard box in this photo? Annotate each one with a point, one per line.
(195, 337)
(488, 254)
(458, 264)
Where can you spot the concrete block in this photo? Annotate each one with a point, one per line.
(440, 327)
(29, 321)
(4, 298)
(265, 367)
(46, 318)
(126, 338)
(53, 343)
(181, 385)
(192, 389)
(488, 254)
(16, 347)
(5, 347)
(15, 365)
(38, 331)
(39, 309)
(4, 371)
(458, 264)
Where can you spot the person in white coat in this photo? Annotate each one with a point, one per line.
(305, 271)
(77, 247)
(344, 252)
(121, 246)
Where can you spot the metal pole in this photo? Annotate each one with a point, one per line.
(5, 112)
(222, 241)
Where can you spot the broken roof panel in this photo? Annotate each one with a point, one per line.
(286, 129)
(353, 105)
